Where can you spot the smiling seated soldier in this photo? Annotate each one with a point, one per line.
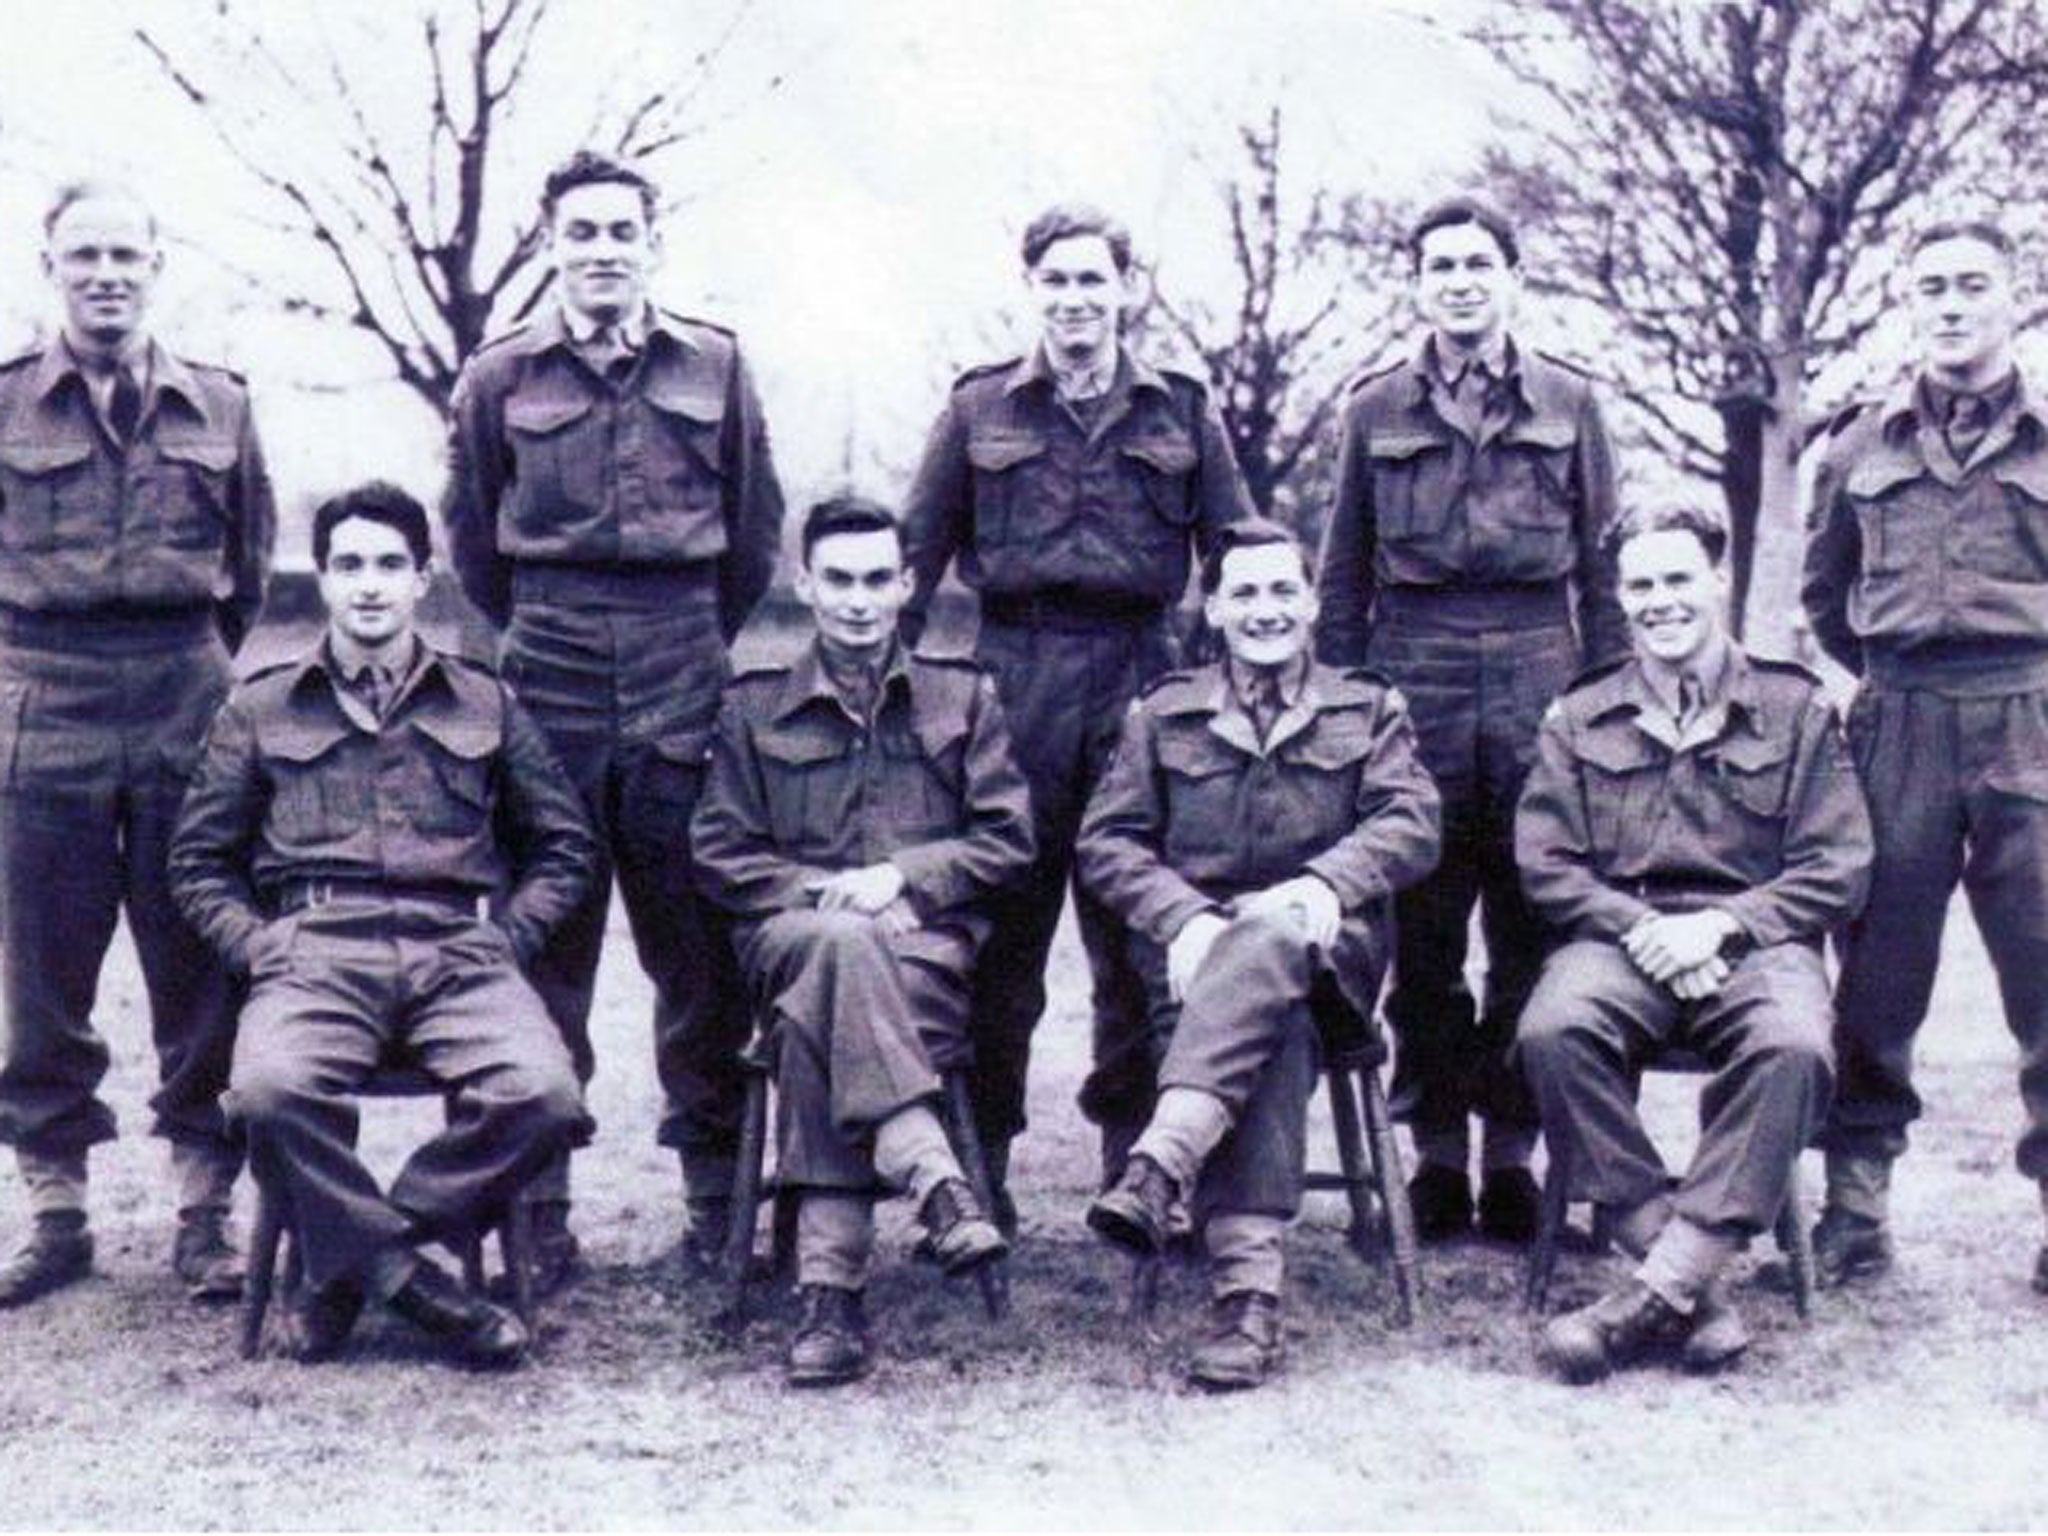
(1258, 820)
(354, 810)
(1693, 828)
(862, 807)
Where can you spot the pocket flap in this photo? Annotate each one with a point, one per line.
(299, 741)
(214, 453)
(460, 736)
(1872, 477)
(1196, 754)
(541, 416)
(1754, 754)
(1168, 455)
(33, 458)
(998, 451)
(1338, 741)
(1402, 445)
(2028, 474)
(701, 402)
(1542, 432)
(1617, 751)
(798, 746)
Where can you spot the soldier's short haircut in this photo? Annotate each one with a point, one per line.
(1251, 533)
(74, 192)
(1704, 523)
(376, 501)
(588, 168)
(1983, 231)
(1464, 210)
(1070, 221)
(847, 513)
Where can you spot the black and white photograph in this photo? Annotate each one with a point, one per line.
(811, 765)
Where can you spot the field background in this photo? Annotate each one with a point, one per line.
(1917, 1404)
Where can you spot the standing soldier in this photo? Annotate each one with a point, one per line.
(1927, 574)
(135, 532)
(1074, 484)
(1473, 488)
(612, 505)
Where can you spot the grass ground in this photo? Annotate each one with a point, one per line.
(1919, 1404)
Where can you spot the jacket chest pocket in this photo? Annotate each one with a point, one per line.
(1899, 526)
(687, 443)
(558, 460)
(1162, 469)
(320, 792)
(45, 486)
(1411, 474)
(1623, 776)
(194, 490)
(925, 774)
(447, 781)
(1532, 498)
(809, 776)
(1751, 777)
(1318, 780)
(1012, 496)
(1203, 835)
(2003, 532)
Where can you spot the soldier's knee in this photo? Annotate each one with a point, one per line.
(265, 1091)
(1790, 1039)
(1273, 932)
(833, 931)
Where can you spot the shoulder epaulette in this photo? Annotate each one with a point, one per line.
(1785, 668)
(701, 324)
(984, 370)
(21, 359)
(1367, 675)
(1846, 417)
(1167, 680)
(1596, 672)
(233, 375)
(510, 334)
(761, 670)
(953, 660)
(1369, 376)
(1562, 364)
(269, 668)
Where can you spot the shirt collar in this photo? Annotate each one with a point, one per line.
(1907, 406)
(160, 373)
(581, 329)
(1449, 367)
(1131, 369)
(810, 680)
(1293, 680)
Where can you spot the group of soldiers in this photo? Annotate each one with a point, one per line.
(1492, 691)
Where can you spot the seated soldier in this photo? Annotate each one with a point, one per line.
(1692, 829)
(353, 811)
(1259, 817)
(862, 803)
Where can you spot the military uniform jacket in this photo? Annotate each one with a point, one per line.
(548, 461)
(1194, 812)
(1420, 504)
(181, 518)
(456, 790)
(1759, 813)
(799, 788)
(1913, 555)
(1033, 502)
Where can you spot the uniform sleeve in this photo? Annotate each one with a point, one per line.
(479, 468)
(1834, 560)
(1223, 498)
(937, 515)
(1398, 836)
(1121, 852)
(553, 851)
(1346, 581)
(998, 845)
(732, 839)
(252, 538)
(1603, 632)
(214, 844)
(1827, 848)
(754, 507)
(1554, 845)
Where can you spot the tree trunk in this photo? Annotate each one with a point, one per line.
(1776, 625)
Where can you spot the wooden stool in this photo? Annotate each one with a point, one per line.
(1794, 1239)
(273, 1224)
(751, 1186)
(1368, 1164)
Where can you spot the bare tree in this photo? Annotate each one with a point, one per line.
(380, 143)
(1316, 288)
(1721, 181)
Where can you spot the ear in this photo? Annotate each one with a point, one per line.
(805, 588)
(1212, 609)
(1137, 291)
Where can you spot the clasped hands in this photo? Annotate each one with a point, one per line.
(1305, 902)
(1682, 950)
(874, 891)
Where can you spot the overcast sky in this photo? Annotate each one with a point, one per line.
(856, 223)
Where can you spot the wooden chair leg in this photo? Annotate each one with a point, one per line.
(1357, 1180)
(1796, 1240)
(746, 1195)
(262, 1276)
(1393, 1188)
(1557, 1195)
(993, 1278)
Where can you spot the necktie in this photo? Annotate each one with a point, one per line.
(1969, 419)
(124, 407)
(1688, 701)
(1266, 703)
(373, 684)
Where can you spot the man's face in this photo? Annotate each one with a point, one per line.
(1464, 286)
(604, 249)
(1960, 295)
(104, 261)
(1079, 293)
(1674, 597)
(855, 584)
(370, 584)
(1264, 605)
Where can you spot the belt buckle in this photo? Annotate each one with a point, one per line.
(319, 892)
